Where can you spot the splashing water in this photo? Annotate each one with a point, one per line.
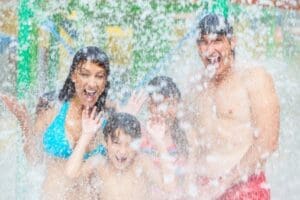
(162, 43)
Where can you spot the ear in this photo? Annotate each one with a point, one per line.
(74, 77)
(233, 41)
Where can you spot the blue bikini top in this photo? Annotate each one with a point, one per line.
(55, 141)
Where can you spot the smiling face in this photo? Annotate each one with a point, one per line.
(216, 51)
(90, 80)
(120, 149)
(162, 107)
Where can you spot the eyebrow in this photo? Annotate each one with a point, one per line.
(101, 72)
(82, 69)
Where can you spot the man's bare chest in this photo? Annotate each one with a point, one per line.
(229, 102)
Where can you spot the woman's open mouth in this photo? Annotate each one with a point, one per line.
(90, 95)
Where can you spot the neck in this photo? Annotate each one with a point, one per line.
(223, 76)
(76, 106)
(219, 79)
(119, 171)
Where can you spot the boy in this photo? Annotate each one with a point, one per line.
(124, 174)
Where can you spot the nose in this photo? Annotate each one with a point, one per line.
(92, 82)
(210, 48)
(122, 150)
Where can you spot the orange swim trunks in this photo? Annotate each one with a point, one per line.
(253, 189)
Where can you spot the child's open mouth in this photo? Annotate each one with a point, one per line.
(121, 159)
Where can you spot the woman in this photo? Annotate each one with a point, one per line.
(57, 126)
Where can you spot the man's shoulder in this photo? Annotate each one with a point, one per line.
(255, 76)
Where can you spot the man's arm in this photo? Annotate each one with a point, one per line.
(265, 118)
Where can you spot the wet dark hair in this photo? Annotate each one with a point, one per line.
(128, 123)
(215, 24)
(94, 55)
(165, 86)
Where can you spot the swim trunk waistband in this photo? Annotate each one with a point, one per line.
(255, 188)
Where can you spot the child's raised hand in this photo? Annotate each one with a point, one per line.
(135, 103)
(91, 122)
(19, 110)
(156, 127)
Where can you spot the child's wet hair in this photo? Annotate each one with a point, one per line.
(215, 24)
(165, 86)
(124, 121)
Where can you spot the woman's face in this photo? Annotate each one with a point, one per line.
(90, 80)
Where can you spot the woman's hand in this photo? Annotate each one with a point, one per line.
(134, 104)
(19, 110)
(91, 123)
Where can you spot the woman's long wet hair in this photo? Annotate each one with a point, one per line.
(165, 86)
(91, 54)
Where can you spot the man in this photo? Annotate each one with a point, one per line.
(235, 114)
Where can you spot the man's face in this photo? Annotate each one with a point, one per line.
(121, 150)
(215, 51)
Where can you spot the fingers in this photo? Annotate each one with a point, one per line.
(143, 95)
(93, 113)
(99, 116)
(101, 120)
(140, 96)
(85, 113)
(13, 105)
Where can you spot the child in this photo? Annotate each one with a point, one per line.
(164, 100)
(124, 174)
(171, 145)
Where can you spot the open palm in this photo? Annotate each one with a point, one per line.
(91, 122)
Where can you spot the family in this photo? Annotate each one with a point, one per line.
(211, 144)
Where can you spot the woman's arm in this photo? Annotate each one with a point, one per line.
(91, 124)
(31, 129)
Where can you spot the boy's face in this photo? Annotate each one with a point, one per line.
(121, 151)
(163, 107)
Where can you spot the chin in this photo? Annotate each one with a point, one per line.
(88, 104)
(121, 167)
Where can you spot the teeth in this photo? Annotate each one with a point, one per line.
(213, 60)
(90, 92)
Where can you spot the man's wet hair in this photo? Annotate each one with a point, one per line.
(215, 24)
(124, 121)
(165, 86)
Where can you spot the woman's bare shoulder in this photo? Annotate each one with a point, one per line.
(46, 110)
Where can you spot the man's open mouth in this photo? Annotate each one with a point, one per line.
(214, 60)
